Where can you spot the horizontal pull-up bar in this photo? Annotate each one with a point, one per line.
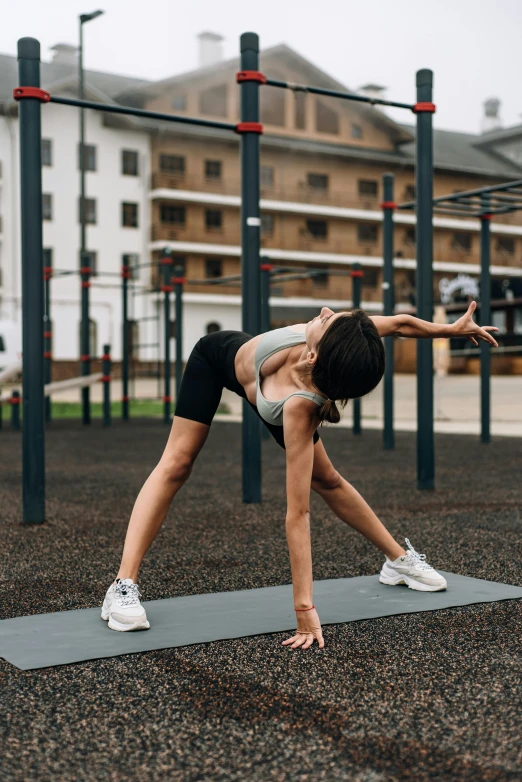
(288, 85)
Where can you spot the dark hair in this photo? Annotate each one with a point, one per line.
(350, 362)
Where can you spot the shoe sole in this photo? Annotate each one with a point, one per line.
(412, 584)
(121, 628)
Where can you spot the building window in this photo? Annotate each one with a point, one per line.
(326, 119)
(317, 228)
(213, 169)
(213, 101)
(317, 181)
(267, 225)
(409, 193)
(212, 327)
(129, 215)
(129, 162)
(367, 233)
(89, 157)
(47, 152)
(174, 215)
(370, 277)
(89, 207)
(47, 206)
(179, 102)
(320, 280)
(409, 237)
(368, 188)
(461, 241)
(267, 176)
(272, 106)
(213, 267)
(93, 337)
(505, 245)
(90, 258)
(300, 111)
(357, 131)
(172, 164)
(517, 321)
(131, 260)
(213, 219)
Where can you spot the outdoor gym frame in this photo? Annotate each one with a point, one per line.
(31, 96)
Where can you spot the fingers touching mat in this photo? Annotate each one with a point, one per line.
(44, 640)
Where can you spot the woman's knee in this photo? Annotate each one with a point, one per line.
(326, 481)
(176, 467)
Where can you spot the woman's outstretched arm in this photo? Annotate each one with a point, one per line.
(409, 326)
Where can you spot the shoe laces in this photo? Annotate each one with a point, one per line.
(416, 559)
(128, 594)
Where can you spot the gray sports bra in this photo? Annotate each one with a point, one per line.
(270, 343)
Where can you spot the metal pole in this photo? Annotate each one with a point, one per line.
(424, 236)
(250, 242)
(178, 282)
(125, 274)
(33, 440)
(48, 337)
(15, 411)
(485, 320)
(106, 380)
(388, 206)
(85, 358)
(166, 288)
(356, 275)
(266, 270)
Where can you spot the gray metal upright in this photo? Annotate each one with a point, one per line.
(166, 288)
(85, 263)
(356, 275)
(249, 128)
(266, 270)
(125, 275)
(424, 109)
(485, 320)
(178, 281)
(33, 439)
(106, 380)
(388, 206)
(48, 337)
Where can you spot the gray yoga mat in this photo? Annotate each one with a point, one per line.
(43, 640)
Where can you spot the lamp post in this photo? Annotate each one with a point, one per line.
(85, 263)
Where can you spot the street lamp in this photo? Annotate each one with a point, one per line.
(84, 258)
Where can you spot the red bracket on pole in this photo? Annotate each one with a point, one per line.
(249, 127)
(48, 272)
(86, 270)
(388, 205)
(15, 400)
(31, 92)
(48, 334)
(105, 379)
(86, 284)
(125, 272)
(166, 288)
(266, 267)
(166, 261)
(179, 280)
(167, 399)
(429, 108)
(105, 357)
(125, 399)
(356, 273)
(85, 358)
(250, 76)
(48, 354)
(486, 217)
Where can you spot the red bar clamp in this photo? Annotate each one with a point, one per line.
(428, 108)
(249, 127)
(31, 92)
(250, 76)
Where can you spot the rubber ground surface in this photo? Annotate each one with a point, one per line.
(430, 696)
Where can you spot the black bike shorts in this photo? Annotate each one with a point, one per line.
(210, 368)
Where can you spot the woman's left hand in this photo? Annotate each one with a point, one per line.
(308, 631)
(466, 327)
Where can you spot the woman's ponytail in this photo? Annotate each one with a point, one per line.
(329, 412)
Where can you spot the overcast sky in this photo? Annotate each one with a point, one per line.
(473, 46)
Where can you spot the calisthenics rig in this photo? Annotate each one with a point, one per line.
(31, 96)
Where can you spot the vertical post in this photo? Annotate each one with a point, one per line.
(166, 288)
(250, 129)
(485, 320)
(388, 206)
(356, 275)
(85, 263)
(266, 270)
(178, 281)
(424, 237)
(125, 274)
(15, 411)
(48, 338)
(33, 441)
(106, 380)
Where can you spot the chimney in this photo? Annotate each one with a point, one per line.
(65, 54)
(210, 49)
(373, 91)
(491, 120)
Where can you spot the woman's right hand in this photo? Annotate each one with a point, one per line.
(308, 630)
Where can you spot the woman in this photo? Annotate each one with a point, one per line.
(303, 370)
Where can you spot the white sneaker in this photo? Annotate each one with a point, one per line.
(414, 571)
(122, 607)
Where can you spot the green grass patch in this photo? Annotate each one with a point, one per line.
(140, 408)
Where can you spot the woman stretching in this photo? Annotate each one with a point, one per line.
(301, 371)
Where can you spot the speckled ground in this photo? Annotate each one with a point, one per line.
(434, 696)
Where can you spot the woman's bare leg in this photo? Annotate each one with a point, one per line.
(185, 442)
(348, 505)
